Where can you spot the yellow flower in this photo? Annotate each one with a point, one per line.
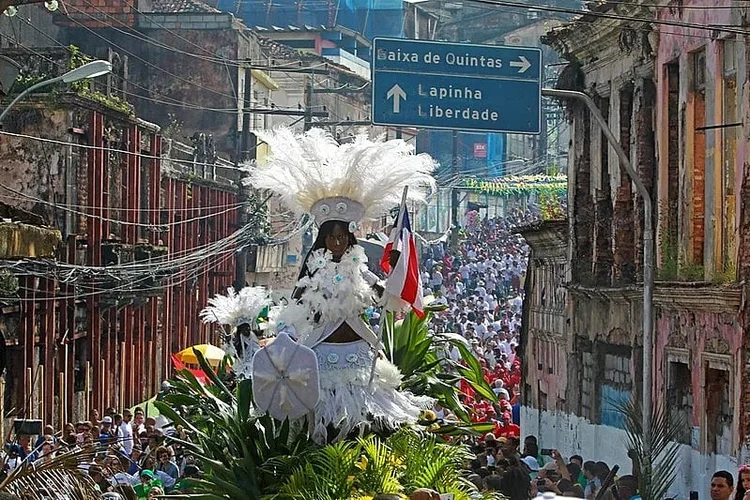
(362, 463)
(433, 427)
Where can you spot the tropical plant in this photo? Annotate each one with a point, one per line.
(235, 445)
(416, 352)
(401, 463)
(654, 464)
(61, 477)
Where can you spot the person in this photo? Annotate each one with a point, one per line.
(627, 488)
(339, 185)
(722, 484)
(148, 482)
(165, 463)
(743, 483)
(126, 432)
(593, 483)
(424, 494)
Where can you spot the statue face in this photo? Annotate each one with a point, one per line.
(338, 241)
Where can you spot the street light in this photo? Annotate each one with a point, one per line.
(88, 70)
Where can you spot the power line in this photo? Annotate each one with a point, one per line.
(157, 227)
(606, 15)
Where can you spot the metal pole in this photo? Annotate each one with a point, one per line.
(244, 152)
(454, 192)
(25, 92)
(648, 252)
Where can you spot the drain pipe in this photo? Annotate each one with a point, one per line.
(648, 252)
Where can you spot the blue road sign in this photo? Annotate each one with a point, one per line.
(494, 88)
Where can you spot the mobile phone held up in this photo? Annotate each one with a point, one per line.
(546, 452)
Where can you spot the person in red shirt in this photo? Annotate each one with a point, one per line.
(506, 428)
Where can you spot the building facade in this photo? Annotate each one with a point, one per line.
(675, 97)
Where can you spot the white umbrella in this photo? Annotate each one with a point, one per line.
(285, 379)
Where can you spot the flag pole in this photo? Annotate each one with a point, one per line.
(399, 225)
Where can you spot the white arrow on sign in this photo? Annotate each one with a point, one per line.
(523, 64)
(397, 93)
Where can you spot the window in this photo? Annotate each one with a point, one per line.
(729, 130)
(615, 391)
(698, 199)
(718, 428)
(668, 239)
(680, 397)
(588, 376)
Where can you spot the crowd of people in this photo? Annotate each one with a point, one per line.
(481, 283)
(129, 454)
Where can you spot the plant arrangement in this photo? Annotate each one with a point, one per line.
(248, 456)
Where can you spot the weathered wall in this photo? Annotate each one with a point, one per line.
(574, 435)
(544, 341)
(177, 84)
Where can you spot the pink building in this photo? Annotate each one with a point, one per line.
(676, 93)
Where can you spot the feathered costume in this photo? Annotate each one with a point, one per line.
(315, 175)
(239, 311)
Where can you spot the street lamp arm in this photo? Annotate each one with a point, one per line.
(89, 70)
(28, 91)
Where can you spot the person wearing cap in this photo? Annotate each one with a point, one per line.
(108, 433)
(506, 428)
(148, 481)
(532, 465)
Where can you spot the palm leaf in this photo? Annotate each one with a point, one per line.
(656, 463)
(61, 475)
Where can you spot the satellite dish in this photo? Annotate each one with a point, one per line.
(8, 72)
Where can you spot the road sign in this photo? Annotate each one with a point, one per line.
(494, 88)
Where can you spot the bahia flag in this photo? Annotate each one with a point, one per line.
(404, 280)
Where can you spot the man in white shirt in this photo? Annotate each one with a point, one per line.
(126, 432)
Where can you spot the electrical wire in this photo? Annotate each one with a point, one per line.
(731, 28)
(160, 227)
(112, 150)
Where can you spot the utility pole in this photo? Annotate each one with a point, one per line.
(308, 102)
(454, 191)
(244, 152)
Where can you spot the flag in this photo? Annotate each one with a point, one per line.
(385, 259)
(404, 280)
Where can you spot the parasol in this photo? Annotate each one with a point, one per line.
(213, 354)
(285, 379)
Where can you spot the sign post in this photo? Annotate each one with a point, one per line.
(426, 84)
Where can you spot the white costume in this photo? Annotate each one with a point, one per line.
(363, 179)
(233, 310)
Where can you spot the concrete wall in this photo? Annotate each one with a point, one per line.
(575, 435)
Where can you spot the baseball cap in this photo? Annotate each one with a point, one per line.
(531, 463)
(149, 474)
(107, 420)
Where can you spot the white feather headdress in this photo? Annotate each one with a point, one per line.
(313, 174)
(234, 309)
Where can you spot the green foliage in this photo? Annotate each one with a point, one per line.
(61, 477)
(692, 272)
(8, 284)
(552, 207)
(24, 81)
(415, 353)
(402, 463)
(174, 128)
(556, 185)
(673, 267)
(241, 452)
(657, 463)
(726, 275)
(110, 101)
